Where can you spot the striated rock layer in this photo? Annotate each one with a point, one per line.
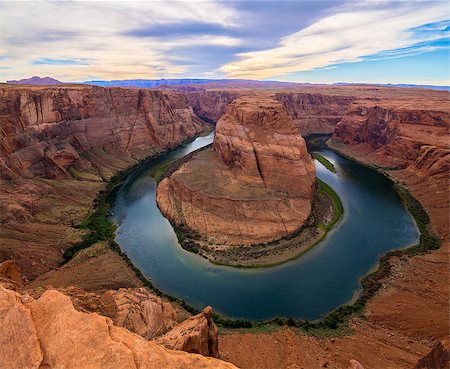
(51, 333)
(255, 186)
(56, 132)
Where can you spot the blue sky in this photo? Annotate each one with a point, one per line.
(318, 41)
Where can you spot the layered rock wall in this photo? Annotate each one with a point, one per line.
(46, 131)
(314, 112)
(255, 186)
(59, 143)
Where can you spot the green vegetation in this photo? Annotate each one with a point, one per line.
(159, 172)
(82, 176)
(324, 161)
(97, 225)
(338, 208)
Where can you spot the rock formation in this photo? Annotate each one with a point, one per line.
(211, 104)
(10, 275)
(51, 333)
(438, 358)
(135, 309)
(197, 334)
(255, 186)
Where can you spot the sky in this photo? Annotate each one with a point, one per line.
(318, 41)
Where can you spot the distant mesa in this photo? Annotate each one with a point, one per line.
(36, 81)
(254, 186)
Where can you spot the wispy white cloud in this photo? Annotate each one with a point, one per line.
(35, 33)
(355, 31)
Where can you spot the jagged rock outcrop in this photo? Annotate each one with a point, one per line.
(255, 186)
(197, 334)
(64, 132)
(412, 143)
(355, 364)
(313, 112)
(51, 333)
(10, 275)
(135, 309)
(438, 358)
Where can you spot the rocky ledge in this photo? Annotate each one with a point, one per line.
(254, 186)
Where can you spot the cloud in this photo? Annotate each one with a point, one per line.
(74, 41)
(354, 31)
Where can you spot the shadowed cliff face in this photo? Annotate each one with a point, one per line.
(311, 112)
(64, 132)
(211, 105)
(315, 113)
(255, 186)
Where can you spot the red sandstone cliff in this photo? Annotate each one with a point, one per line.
(54, 131)
(211, 104)
(412, 143)
(255, 186)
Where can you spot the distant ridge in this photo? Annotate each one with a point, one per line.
(401, 85)
(175, 82)
(151, 83)
(35, 81)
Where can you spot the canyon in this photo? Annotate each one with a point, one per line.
(61, 144)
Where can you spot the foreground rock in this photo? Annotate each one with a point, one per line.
(51, 333)
(255, 186)
(197, 334)
(135, 309)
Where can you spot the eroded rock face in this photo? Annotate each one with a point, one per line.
(10, 275)
(51, 333)
(255, 186)
(135, 309)
(58, 144)
(438, 358)
(45, 130)
(197, 334)
(258, 141)
(211, 105)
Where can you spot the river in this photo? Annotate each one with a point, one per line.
(375, 221)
